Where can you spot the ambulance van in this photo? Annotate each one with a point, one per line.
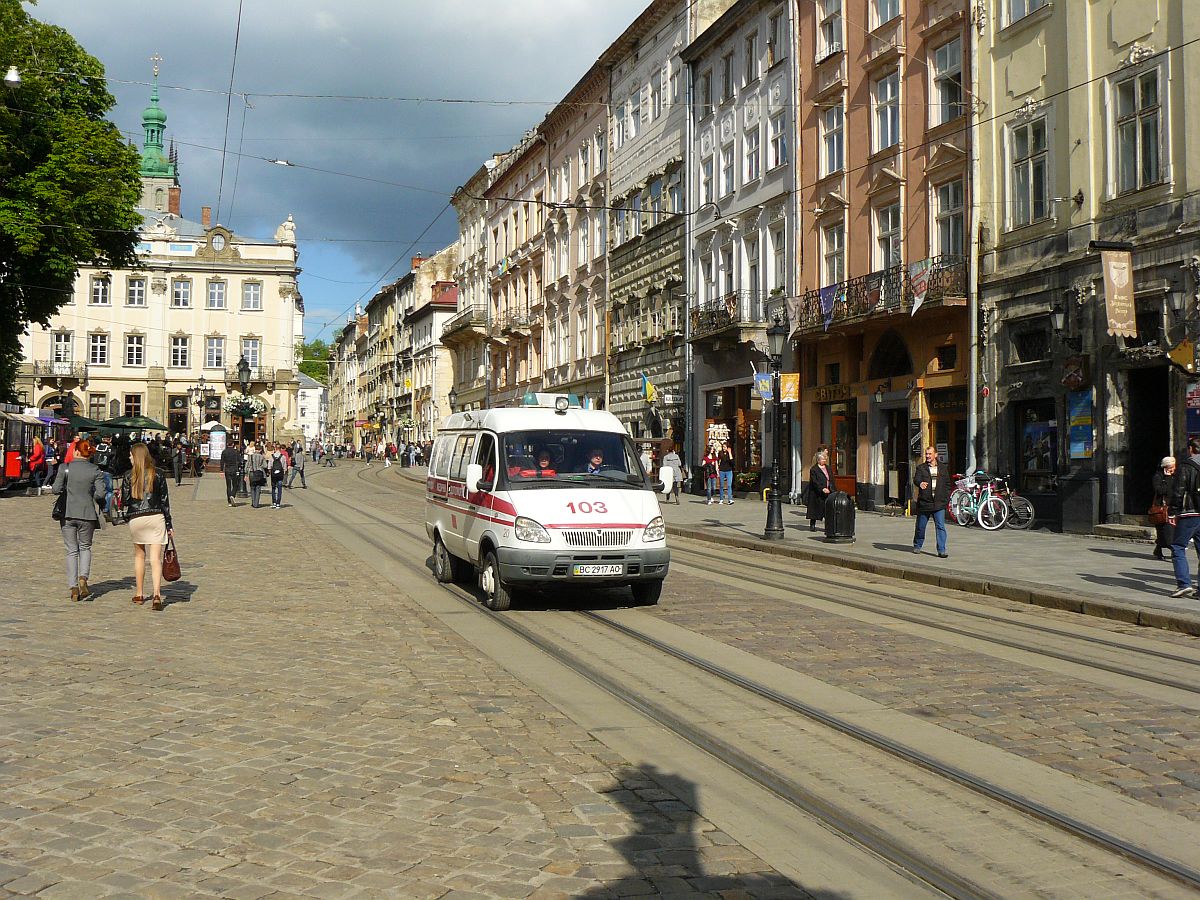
(543, 494)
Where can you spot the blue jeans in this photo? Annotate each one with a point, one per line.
(710, 485)
(277, 491)
(727, 484)
(108, 490)
(939, 527)
(1186, 528)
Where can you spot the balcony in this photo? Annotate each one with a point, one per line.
(258, 375)
(466, 323)
(883, 293)
(740, 315)
(59, 371)
(517, 322)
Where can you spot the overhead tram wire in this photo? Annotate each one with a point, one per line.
(237, 38)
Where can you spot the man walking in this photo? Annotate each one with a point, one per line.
(933, 493)
(297, 468)
(231, 465)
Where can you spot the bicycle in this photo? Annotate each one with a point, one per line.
(1020, 511)
(978, 499)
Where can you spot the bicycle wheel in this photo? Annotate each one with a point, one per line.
(1020, 513)
(962, 507)
(993, 513)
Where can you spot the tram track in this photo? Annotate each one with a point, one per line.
(753, 767)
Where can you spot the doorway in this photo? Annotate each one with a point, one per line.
(1149, 429)
(838, 433)
(895, 456)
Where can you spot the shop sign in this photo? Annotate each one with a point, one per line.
(1075, 373)
(1079, 418)
(1193, 398)
(947, 402)
(1118, 292)
(914, 437)
(830, 392)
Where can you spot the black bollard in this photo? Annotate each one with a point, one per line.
(839, 518)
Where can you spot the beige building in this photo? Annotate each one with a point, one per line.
(1088, 143)
(164, 339)
(434, 300)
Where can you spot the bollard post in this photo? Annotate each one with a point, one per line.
(839, 518)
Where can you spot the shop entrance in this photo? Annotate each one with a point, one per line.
(838, 434)
(896, 458)
(1149, 430)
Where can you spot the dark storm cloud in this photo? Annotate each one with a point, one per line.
(461, 49)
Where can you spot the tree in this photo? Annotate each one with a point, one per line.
(69, 183)
(314, 357)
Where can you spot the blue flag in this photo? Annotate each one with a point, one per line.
(829, 297)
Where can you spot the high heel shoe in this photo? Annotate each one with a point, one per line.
(139, 599)
(156, 604)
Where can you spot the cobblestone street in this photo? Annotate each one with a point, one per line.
(290, 725)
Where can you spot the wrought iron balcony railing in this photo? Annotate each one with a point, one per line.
(734, 309)
(52, 369)
(258, 375)
(468, 317)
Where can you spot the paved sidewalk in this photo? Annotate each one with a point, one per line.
(1115, 579)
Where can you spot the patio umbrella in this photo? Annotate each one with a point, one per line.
(134, 423)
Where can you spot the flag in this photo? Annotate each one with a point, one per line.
(648, 390)
(829, 296)
(763, 385)
(1118, 292)
(918, 280)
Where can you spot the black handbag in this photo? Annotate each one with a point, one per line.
(59, 511)
(258, 477)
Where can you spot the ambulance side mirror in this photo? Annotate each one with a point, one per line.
(657, 486)
(474, 476)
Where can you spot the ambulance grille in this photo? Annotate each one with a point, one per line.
(598, 537)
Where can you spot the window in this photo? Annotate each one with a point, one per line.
(635, 113)
(727, 282)
(598, 140)
(135, 350)
(1030, 341)
(252, 295)
(753, 266)
(622, 221)
(250, 350)
(832, 138)
(635, 215)
(1019, 9)
(62, 346)
(585, 168)
(887, 236)
(887, 111)
(950, 218)
(1030, 198)
(585, 236)
(98, 406)
(674, 84)
(779, 248)
(656, 99)
(947, 357)
(776, 48)
(100, 290)
(831, 29)
(179, 352)
(706, 180)
(947, 100)
(564, 177)
(779, 155)
(181, 293)
(133, 404)
(833, 239)
(655, 201)
(618, 143)
(98, 349)
(753, 155)
(1139, 162)
(727, 180)
(675, 193)
(135, 292)
(214, 353)
(705, 93)
(708, 278)
(886, 10)
(216, 295)
(751, 60)
(726, 77)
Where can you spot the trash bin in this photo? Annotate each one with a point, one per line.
(839, 518)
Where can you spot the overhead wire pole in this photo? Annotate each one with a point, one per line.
(974, 29)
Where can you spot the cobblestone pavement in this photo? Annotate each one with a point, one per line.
(1145, 749)
(290, 726)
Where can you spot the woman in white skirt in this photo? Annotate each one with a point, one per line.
(148, 511)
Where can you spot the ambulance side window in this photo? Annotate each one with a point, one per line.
(462, 455)
(440, 466)
(486, 457)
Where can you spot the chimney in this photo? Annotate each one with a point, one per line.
(416, 263)
(173, 200)
(206, 216)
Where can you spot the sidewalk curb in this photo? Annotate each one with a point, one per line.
(1004, 589)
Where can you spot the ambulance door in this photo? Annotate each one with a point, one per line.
(480, 505)
(464, 446)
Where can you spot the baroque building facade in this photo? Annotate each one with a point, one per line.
(164, 338)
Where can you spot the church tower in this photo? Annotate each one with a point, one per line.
(160, 178)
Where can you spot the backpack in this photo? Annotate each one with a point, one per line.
(276, 466)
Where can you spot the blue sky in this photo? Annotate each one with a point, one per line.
(512, 60)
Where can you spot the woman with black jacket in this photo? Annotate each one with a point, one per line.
(820, 484)
(933, 493)
(147, 508)
(1164, 488)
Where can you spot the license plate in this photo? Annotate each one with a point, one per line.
(617, 569)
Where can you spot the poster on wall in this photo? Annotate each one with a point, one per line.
(1037, 447)
(1193, 412)
(1079, 417)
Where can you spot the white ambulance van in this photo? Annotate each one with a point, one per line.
(543, 494)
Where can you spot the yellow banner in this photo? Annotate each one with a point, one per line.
(789, 387)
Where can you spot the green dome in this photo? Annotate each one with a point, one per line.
(153, 114)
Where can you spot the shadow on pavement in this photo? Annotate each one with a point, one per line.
(898, 548)
(1126, 554)
(1129, 584)
(670, 857)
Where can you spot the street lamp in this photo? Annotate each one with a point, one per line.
(777, 335)
(452, 399)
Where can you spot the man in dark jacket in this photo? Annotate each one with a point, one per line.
(231, 463)
(933, 493)
(1184, 508)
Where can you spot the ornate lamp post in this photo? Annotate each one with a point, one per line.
(776, 338)
(452, 399)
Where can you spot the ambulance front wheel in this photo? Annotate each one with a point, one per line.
(443, 562)
(646, 593)
(496, 594)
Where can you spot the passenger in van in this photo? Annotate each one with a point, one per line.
(544, 468)
(595, 462)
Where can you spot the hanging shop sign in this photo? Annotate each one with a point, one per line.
(1118, 292)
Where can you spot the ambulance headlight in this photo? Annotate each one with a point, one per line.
(529, 530)
(656, 530)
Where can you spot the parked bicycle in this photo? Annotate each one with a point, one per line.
(989, 502)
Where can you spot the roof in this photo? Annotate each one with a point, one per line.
(308, 383)
(186, 229)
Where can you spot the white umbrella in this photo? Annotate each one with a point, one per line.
(209, 425)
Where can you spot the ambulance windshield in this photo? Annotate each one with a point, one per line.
(569, 455)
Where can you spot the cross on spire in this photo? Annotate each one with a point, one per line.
(156, 59)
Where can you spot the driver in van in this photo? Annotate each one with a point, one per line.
(544, 467)
(595, 462)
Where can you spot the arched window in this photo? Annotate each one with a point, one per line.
(160, 200)
(890, 358)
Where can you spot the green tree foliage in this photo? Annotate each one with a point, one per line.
(314, 356)
(68, 181)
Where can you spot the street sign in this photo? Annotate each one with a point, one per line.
(671, 399)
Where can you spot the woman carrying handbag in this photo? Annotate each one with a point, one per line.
(79, 487)
(1164, 486)
(147, 508)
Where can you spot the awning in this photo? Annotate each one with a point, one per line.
(21, 417)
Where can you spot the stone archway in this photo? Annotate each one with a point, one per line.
(890, 358)
(63, 404)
